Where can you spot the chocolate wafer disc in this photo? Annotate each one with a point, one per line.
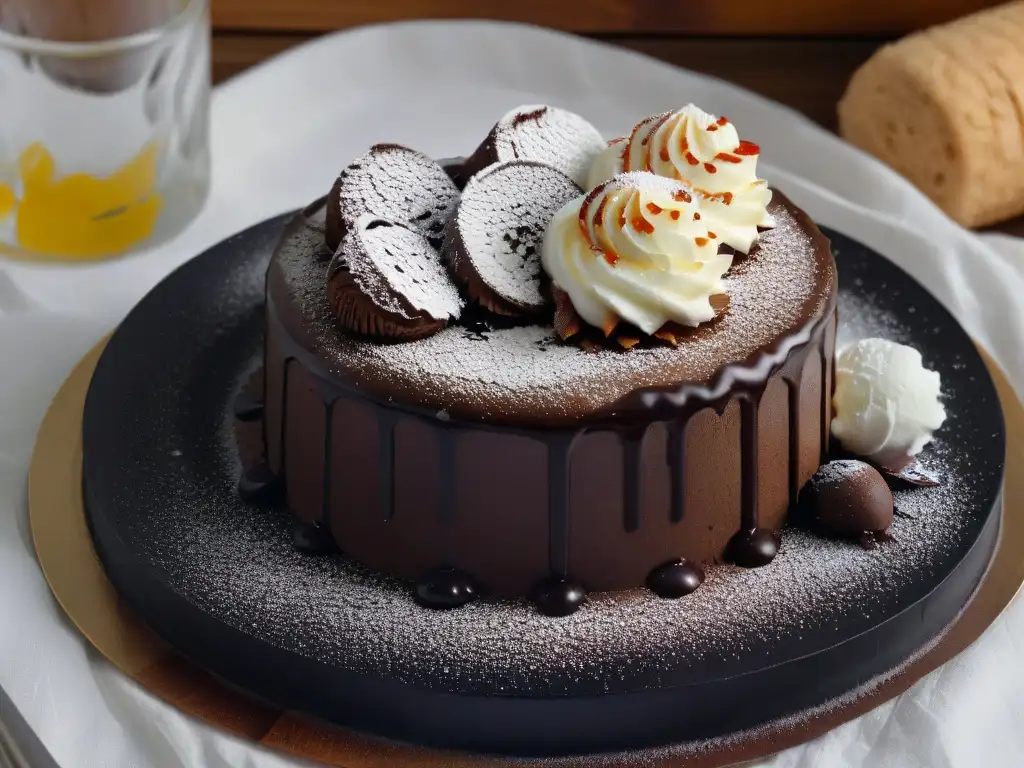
(394, 183)
(547, 135)
(493, 241)
(387, 281)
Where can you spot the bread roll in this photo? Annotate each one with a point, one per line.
(945, 107)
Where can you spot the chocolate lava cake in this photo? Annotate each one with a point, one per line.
(437, 410)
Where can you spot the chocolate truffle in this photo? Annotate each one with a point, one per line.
(848, 498)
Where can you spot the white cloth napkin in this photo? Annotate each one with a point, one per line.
(280, 133)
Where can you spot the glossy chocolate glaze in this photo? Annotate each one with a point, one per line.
(676, 471)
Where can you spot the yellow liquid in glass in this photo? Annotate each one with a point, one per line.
(82, 216)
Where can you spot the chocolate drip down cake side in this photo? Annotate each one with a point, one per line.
(604, 401)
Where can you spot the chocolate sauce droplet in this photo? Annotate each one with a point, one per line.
(675, 579)
(445, 588)
(247, 407)
(558, 597)
(753, 548)
(312, 538)
(259, 485)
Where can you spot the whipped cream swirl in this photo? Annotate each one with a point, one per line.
(704, 152)
(636, 249)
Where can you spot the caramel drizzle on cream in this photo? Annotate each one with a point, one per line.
(603, 248)
(646, 129)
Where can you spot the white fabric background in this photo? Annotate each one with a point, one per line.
(280, 134)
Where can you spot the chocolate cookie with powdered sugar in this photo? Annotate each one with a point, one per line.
(386, 281)
(547, 135)
(395, 183)
(492, 243)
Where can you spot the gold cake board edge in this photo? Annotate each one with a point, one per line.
(69, 562)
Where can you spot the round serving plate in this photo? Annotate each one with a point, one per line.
(219, 580)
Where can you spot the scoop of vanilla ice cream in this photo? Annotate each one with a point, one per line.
(886, 403)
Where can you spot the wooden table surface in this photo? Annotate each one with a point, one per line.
(807, 73)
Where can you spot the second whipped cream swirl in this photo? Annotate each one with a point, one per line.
(697, 148)
(636, 249)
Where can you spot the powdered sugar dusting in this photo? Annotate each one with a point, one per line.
(501, 219)
(859, 313)
(516, 372)
(390, 263)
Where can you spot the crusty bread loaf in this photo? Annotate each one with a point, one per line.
(945, 107)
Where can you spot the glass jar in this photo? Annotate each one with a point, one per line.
(104, 111)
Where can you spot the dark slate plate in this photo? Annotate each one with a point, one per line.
(220, 581)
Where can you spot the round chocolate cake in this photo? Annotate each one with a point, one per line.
(492, 456)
